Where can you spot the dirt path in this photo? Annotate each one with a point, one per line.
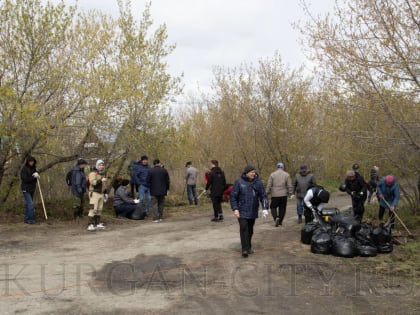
(189, 265)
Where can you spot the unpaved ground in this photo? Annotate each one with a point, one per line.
(189, 265)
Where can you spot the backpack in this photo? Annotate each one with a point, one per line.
(68, 177)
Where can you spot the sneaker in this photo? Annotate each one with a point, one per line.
(160, 220)
(277, 222)
(91, 228)
(245, 254)
(156, 221)
(100, 226)
(215, 219)
(220, 217)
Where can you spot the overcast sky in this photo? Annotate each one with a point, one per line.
(212, 33)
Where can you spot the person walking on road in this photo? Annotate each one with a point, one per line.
(158, 181)
(279, 186)
(29, 176)
(303, 181)
(217, 184)
(246, 194)
(78, 188)
(389, 195)
(191, 182)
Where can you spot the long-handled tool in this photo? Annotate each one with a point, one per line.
(42, 200)
(398, 217)
(201, 194)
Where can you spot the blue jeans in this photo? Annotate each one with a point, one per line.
(144, 192)
(29, 206)
(299, 206)
(192, 193)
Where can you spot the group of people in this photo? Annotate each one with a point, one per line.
(386, 190)
(152, 185)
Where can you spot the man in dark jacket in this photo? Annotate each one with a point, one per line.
(356, 188)
(158, 181)
(217, 184)
(246, 193)
(303, 181)
(29, 177)
(142, 170)
(126, 207)
(78, 187)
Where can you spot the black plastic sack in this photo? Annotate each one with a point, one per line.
(381, 235)
(323, 228)
(321, 243)
(346, 221)
(386, 247)
(366, 250)
(138, 214)
(343, 246)
(307, 232)
(364, 235)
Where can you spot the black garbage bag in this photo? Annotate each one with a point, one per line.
(364, 250)
(386, 247)
(321, 243)
(307, 232)
(364, 235)
(344, 246)
(381, 235)
(347, 221)
(138, 214)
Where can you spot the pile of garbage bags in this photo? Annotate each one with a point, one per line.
(343, 236)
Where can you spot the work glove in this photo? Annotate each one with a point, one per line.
(36, 175)
(105, 197)
(292, 196)
(136, 200)
(264, 213)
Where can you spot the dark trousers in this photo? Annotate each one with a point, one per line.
(278, 207)
(246, 230)
(78, 205)
(217, 206)
(391, 216)
(358, 205)
(309, 216)
(130, 211)
(157, 205)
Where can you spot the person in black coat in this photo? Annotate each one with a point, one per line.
(158, 181)
(355, 186)
(29, 177)
(217, 185)
(78, 188)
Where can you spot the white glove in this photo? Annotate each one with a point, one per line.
(105, 197)
(36, 175)
(264, 213)
(136, 200)
(292, 196)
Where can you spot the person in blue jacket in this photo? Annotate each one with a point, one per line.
(140, 176)
(388, 193)
(246, 193)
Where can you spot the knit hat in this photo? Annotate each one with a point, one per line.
(324, 196)
(99, 162)
(125, 182)
(355, 167)
(144, 157)
(389, 179)
(81, 162)
(156, 161)
(303, 168)
(248, 169)
(280, 165)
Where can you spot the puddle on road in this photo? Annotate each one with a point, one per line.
(143, 272)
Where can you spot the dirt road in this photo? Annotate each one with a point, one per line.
(189, 265)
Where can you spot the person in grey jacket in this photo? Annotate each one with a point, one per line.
(78, 188)
(303, 181)
(280, 187)
(246, 193)
(125, 206)
(191, 182)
